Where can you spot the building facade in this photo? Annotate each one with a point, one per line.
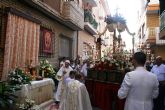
(95, 12)
(149, 29)
(162, 19)
(86, 39)
(37, 29)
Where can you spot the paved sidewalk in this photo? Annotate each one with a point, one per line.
(54, 107)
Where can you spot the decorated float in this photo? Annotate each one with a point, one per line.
(114, 66)
(104, 79)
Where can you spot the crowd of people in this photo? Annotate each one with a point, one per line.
(71, 92)
(143, 85)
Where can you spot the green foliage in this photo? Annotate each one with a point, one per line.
(95, 24)
(116, 18)
(18, 77)
(46, 69)
(7, 97)
(89, 18)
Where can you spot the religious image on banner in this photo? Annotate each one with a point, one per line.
(47, 41)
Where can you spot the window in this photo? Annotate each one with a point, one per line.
(47, 43)
(65, 49)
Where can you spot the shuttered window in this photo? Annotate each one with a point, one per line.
(65, 49)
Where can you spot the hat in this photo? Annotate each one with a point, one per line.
(61, 63)
(67, 61)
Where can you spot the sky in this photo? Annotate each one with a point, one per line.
(128, 9)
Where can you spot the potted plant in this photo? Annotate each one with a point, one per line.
(47, 70)
(7, 96)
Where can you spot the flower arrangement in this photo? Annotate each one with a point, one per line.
(28, 105)
(115, 19)
(17, 77)
(46, 69)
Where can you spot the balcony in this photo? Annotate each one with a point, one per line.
(93, 3)
(152, 36)
(73, 15)
(162, 25)
(90, 22)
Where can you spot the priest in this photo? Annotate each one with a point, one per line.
(62, 75)
(76, 96)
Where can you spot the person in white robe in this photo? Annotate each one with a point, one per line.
(62, 75)
(139, 87)
(76, 97)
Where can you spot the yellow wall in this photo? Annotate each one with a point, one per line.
(152, 20)
(160, 51)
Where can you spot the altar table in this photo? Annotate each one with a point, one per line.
(104, 95)
(39, 91)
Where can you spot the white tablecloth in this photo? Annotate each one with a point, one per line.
(39, 91)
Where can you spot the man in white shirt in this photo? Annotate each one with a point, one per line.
(159, 71)
(62, 75)
(139, 87)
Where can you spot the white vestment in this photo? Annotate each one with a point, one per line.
(62, 83)
(84, 69)
(76, 97)
(139, 87)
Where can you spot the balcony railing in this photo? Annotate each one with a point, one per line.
(162, 21)
(90, 22)
(158, 40)
(152, 36)
(91, 2)
(73, 14)
(162, 25)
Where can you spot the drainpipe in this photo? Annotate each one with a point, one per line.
(148, 1)
(77, 43)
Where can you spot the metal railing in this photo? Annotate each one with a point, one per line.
(162, 20)
(74, 13)
(88, 17)
(151, 33)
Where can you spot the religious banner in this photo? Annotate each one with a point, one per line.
(47, 41)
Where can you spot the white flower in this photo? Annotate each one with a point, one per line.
(14, 73)
(19, 80)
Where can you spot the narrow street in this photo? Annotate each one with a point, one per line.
(82, 54)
